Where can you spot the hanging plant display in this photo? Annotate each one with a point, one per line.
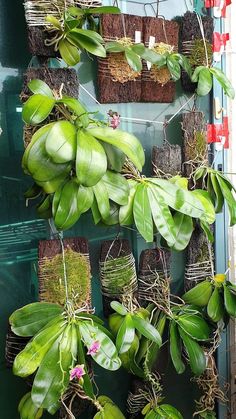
(156, 80)
(51, 271)
(167, 160)
(117, 272)
(154, 265)
(194, 45)
(118, 82)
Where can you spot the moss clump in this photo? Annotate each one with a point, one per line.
(198, 53)
(52, 286)
(201, 144)
(118, 275)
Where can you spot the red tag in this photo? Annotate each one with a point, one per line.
(219, 41)
(219, 133)
(218, 3)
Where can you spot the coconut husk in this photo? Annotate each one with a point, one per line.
(195, 148)
(190, 32)
(116, 261)
(167, 160)
(117, 82)
(51, 271)
(156, 86)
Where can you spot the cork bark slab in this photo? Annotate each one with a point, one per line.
(111, 249)
(51, 248)
(195, 140)
(111, 91)
(168, 159)
(164, 31)
(37, 36)
(190, 30)
(54, 77)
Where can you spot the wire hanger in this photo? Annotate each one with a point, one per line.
(151, 4)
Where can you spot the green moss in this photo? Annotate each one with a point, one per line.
(198, 53)
(118, 274)
(52, 287)
(201, 144)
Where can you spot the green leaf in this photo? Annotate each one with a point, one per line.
(185, 64)
(44, 208)
(217, 193)
(69, 53)
(197, 359)
(126, 211)
(77, 108)
(196, 73)
(95, 212)
(208, 231)
(126, 142)
(107, 356)
(102, 9)
(60, 143)
(119, 308)
(229, 301)
(114, 46)
(28, 360)
(85, 198)
(199, 295)
(37, 108)
(142, 213)
(117, 187)
(204, 198)
(52, 185)
(128, 359)
(113, 218)
(224, 82)
(102, 198)
(65, 207)
(133, 60)
(54, 21)
(169, 412)
(228, 196)
(161, 215)
(91, 160)
(146, 329)
(173, 67)
(116, 158)
(125, 335)
(205, 82)
(37, 86)
(183, 231)
(154, 58)
(176, 348)
(195, 326)
(30, 319)
(88, 40)
(215, 307)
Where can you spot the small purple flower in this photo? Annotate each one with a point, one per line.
(114, 121)
(94, 348)
(77, 372)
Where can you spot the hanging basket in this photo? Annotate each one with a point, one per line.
(167, 160)
(192, 45)
(195, 148)
(51, 272)
(156, 86)
(117, 272)
(35, 15)
(117, 82)
(154, 268)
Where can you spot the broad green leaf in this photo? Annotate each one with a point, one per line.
(107, 356)
(37, 86)
(146, 329)
(154, 58)
(176, 348)
(161, 215)
(205, 82)
(102, 198)
(30, 319)
(142, 213)
(91, 160)
(117, 187)
(204, 198)
(119, 308)
(215, 307)
(219, 202)
(138, 49)
(229, 198)
(199, 295)
(126, 211)
(208, 231)
(224, 82)
(195, 326)
(197, 359)
(77, 108)
(37, 108)
(169, 412)
(81, 39)
(183, 231)
(102, 9)
(65, 207)
(27, 409)
(125, 335)
(128, 359)
(54, 21)
(113, 218)
(126, 142)
(173, 67)
(60, 143)
(44, 208)
(133, 60)
(28, 360)
(85, 198)
(184, 62)
(196, 73)
(52, 185)
(229, 301)
(95, 212)
(114, 46)
(116, 158)
(69, 53)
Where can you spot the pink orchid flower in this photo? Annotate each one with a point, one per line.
(115, 121)
(77, 372)
(94, 348)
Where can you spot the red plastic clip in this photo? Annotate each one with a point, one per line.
(219, 133)
(219, 41)
(220, 4)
